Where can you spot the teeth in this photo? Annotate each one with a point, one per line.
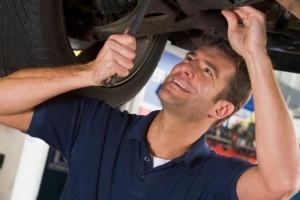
(182, 86)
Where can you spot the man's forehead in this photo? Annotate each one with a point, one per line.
(212, 52)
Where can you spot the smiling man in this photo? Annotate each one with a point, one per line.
(114, 155)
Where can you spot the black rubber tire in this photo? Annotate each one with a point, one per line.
(33, 34)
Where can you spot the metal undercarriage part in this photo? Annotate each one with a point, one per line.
(189, 23)
(113, 6)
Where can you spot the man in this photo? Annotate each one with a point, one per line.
(110, 154)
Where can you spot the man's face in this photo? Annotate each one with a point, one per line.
(193, 83)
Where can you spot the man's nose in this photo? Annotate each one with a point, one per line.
(187, 70)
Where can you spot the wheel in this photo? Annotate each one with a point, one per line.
(34, 34)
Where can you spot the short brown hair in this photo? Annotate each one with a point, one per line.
(238, 89)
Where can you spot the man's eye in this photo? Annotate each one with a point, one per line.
(188, 58)
(207, 70)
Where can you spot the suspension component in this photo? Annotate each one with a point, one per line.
(113, 6)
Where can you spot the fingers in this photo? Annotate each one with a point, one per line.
(243, 15)
(120, 57)
(248, 10)
(126, 51)
(232, 19)
(126, 30)
(115, 57)
(120, 64)
(236, 19)
(124, 39)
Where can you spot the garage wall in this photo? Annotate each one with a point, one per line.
(289, 84)
(11, 145)
(30, 169)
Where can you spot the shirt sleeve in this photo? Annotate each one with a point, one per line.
(61, 120)
(232, 169)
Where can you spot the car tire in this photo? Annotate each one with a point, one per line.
(33, 34)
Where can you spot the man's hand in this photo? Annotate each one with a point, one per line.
(246, 30)
(115, 58)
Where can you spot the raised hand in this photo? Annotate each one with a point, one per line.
(115, 58)
(246, 30)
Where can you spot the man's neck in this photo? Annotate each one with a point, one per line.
(170, 136)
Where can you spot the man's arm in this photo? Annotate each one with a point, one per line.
(277, 175)
(21, 91)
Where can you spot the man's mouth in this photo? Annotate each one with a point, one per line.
(182, 86)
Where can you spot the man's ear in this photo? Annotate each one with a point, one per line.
(222, 109)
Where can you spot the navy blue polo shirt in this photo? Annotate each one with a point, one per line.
(109, 160)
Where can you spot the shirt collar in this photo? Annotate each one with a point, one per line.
(139, 128)
(199, 150)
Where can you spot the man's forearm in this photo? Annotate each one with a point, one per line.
(27, 88)
(277, 148)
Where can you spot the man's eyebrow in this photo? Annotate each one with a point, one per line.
(191, 53)
(213, 67)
